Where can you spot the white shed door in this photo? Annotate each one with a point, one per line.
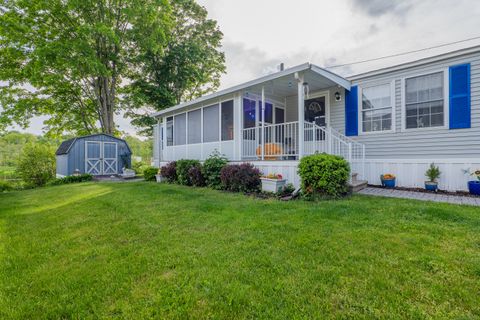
(101, 157)
(109, 158)
(93, 155)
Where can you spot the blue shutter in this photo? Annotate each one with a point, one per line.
(351, 111)
(459, 96)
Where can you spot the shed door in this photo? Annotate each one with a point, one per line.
(109, 158)
(93, 155)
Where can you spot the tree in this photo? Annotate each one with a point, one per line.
(36, 165)
(190, 65)
(69, 58)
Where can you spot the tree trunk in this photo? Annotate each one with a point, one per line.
(106, 104)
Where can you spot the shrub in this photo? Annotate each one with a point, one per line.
(183, 166)
(324, 175)
(139, 166)
(240, 177)
(72, 179)
(212, 168)
(169, 172)
(36, 165)
(195, 176)
(286, 190)
(5, 186)
(149, 173)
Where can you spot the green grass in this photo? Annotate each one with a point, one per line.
(145, 250)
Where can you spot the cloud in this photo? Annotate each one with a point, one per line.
(377, 8)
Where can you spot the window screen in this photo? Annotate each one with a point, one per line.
(424, 101)
(211, 123)
(170, 131)
(227, 120)
(179, 128)
(248, 113)
(194, 126)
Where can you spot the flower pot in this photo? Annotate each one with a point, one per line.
(272, 185)
(474, 187)
(388, 183)
(159, 178)
(431, 186)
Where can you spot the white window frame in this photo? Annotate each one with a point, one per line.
(392, 104)
(446, 108)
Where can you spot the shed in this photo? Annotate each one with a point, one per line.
(96, 154)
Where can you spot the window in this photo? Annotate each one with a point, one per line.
(179, 129)
(210, 123)
(424, 101)
(377, 108)
(169, 131)
(194, 126)
(268, 112)
(227, 120)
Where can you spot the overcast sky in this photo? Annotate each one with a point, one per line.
(259, 34)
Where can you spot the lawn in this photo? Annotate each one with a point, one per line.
(145, 250)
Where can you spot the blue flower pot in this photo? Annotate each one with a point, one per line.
(431, 186)
(388, 183)
(474, 187)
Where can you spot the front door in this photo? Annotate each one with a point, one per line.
(316, 111)
(100, 157)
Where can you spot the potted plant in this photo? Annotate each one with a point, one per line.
(432, 173)
(388, 180)
(273, 182)
(474, 185)
(159, 176)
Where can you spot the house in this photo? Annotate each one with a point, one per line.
(96, 154)
(394, 120)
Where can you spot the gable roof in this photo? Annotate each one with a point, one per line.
(66, 145)
(306, 67)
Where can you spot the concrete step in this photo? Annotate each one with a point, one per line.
(357, 185)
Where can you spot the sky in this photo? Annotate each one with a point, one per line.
(260, 34)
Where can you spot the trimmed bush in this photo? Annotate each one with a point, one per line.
(195, 176)
(36, 165)
(324, 175)
(240, 178)
(183, 166)
(169, 172)
(211, 169)
(149, 173)
(72, 179)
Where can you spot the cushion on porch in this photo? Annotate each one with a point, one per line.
(272, 151)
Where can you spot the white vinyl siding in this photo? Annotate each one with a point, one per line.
(423, 143)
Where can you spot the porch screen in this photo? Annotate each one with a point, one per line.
(268, 112)
(227, 120)
(169, 131)
(248, 113)
(179, 128)
(211, 123)
(194, 126)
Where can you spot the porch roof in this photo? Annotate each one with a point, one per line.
(278, 83)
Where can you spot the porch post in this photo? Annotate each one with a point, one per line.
(263, 123)
(301, 116)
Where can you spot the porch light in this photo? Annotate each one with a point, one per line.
(338, 96)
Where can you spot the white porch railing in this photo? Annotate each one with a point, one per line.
(282, 143)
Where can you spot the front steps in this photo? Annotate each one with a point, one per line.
(357, 185)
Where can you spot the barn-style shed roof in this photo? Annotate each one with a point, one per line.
(65, 146)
